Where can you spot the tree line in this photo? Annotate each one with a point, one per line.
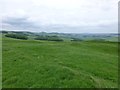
(17, 36)
(49, 38)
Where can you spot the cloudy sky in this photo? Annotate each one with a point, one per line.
(69, 16)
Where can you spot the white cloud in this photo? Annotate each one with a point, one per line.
(79, 13)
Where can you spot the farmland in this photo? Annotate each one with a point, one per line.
(51, 64)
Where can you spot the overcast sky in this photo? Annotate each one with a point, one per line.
(72, 16)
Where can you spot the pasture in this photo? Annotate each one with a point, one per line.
(50, 64)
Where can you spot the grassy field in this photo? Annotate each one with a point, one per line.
(41, 64)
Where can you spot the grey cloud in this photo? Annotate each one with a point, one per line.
(19, 23)
(23, 23)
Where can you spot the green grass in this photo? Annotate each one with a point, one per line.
(114, 39)
(48, 64)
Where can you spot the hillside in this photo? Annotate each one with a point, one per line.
(69, 36)
(40, 64)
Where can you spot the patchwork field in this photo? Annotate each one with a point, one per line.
(41, 64)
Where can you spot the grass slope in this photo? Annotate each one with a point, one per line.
(48, 64)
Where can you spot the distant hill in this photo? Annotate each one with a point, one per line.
(69, 36)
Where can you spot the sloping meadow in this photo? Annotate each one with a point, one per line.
(49, 64)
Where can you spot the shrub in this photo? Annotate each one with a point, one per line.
(17, 36)
(49, 38)
(41, 38)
